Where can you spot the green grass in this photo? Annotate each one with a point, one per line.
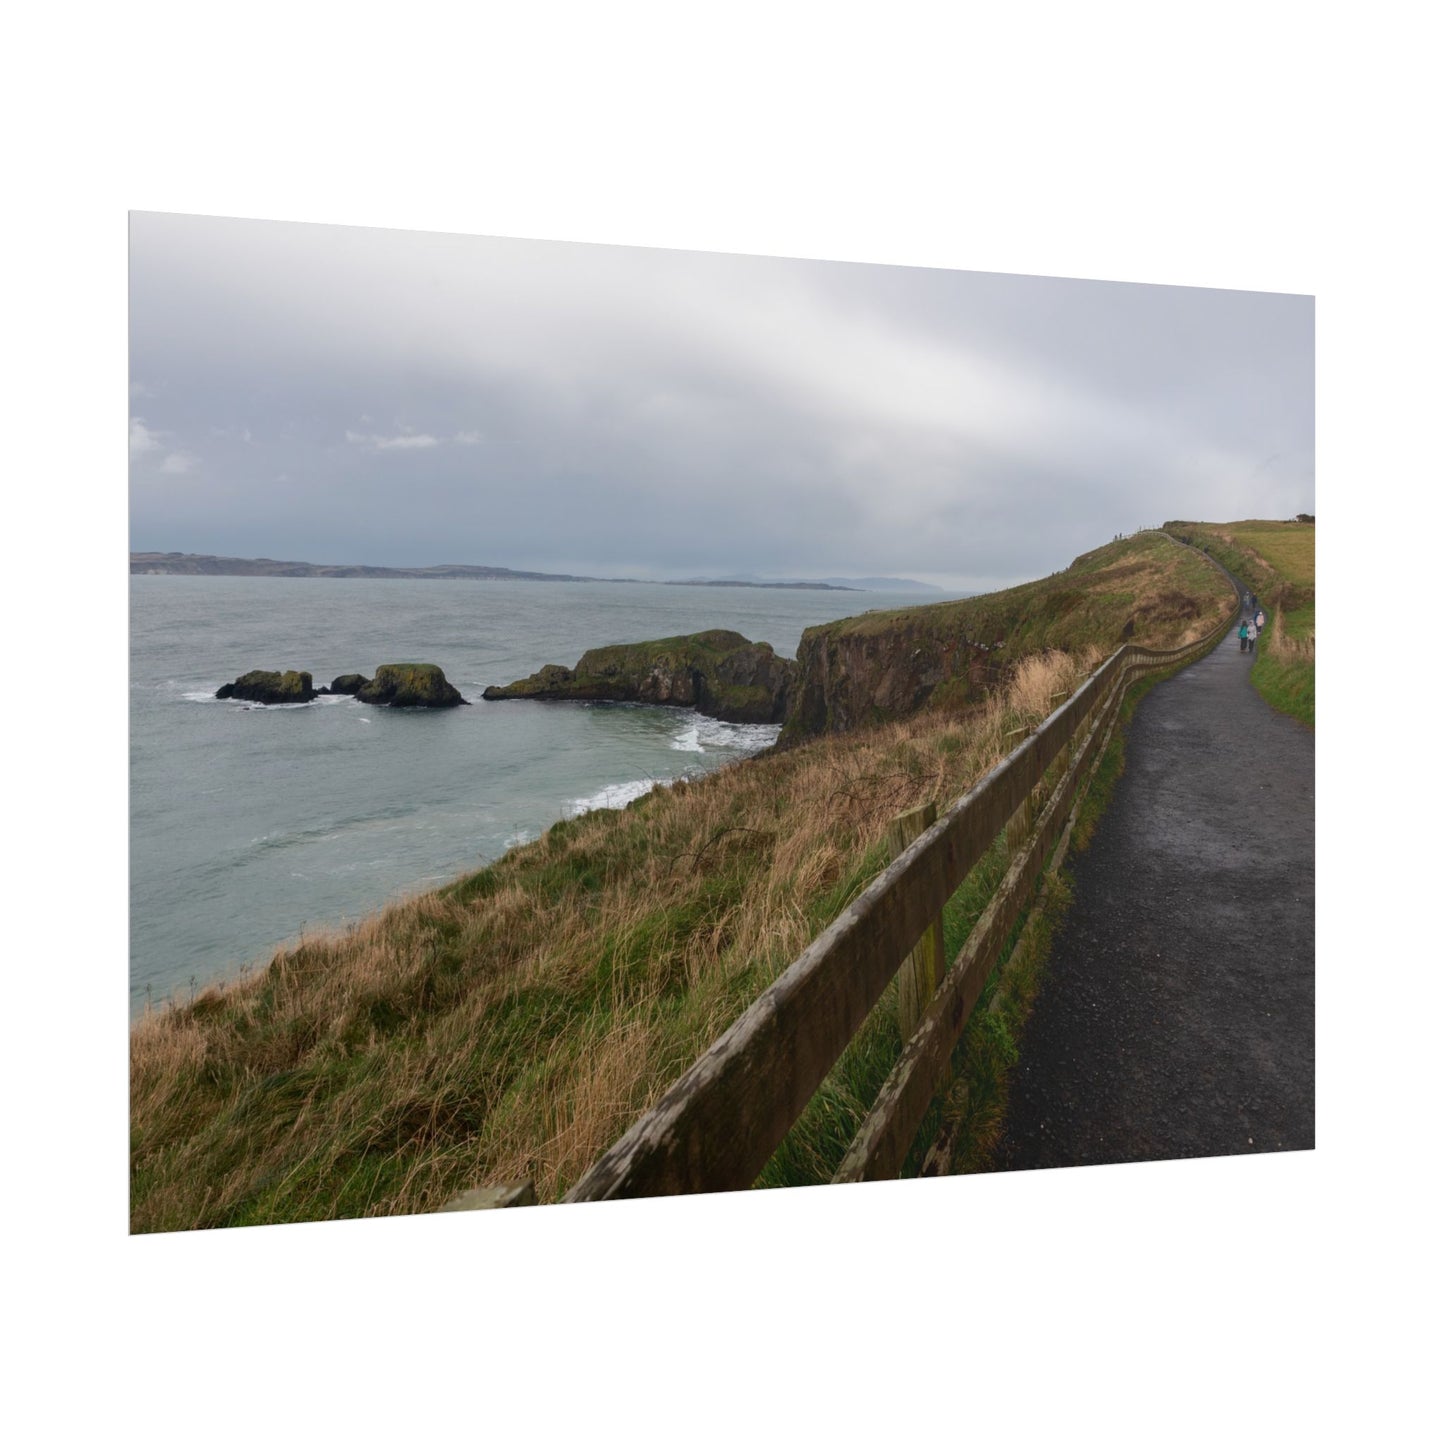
(1286, 685)
(1299, 623)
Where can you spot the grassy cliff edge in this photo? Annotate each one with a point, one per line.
(515, 1021)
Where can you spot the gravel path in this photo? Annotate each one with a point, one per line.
(1177, 1016)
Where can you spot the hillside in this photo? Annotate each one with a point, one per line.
(884, 665)
(1276, 560)
(515, 1021)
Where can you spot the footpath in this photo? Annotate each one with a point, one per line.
(1177, 1015)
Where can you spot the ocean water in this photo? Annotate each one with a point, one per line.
(251, 824)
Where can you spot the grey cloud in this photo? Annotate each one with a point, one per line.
(405, 441)
(663, 413)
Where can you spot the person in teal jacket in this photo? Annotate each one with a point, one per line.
(1243, 636)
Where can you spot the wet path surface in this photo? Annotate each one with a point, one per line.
(1177, 1015)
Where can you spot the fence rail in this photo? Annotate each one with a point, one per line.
(719, 1124)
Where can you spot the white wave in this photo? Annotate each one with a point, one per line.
(210, 696)
(264, 706)
(521, 836)
(687, 741)
(615, 795)
(700, 733)
(740, 737)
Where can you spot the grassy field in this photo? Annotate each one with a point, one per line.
(515, 1022)
(1277, 561)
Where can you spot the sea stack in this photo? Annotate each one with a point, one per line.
(409, 684)
(270, 687)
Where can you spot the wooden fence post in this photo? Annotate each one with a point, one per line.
(923, 968)
(1055, 698)
(1022, 820)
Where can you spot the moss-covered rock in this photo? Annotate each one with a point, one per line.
(410, 684)
(719, 673)
(270, 687)
(348, 684)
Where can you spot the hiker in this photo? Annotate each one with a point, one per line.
(1252, 633)
(1259, 620)
(1243, 636)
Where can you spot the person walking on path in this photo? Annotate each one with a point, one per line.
(1259, 620)
(1252, 632)
(1244, 636)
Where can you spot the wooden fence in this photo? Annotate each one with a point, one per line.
(719, 1124)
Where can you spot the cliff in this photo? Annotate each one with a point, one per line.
(719, 673)
(883, 665)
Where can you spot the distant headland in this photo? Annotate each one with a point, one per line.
(194, 564)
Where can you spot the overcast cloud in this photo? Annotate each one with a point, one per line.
(335, 394)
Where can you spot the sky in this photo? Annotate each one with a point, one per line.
(350, 395)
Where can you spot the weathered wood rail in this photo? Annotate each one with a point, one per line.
(718, 1125)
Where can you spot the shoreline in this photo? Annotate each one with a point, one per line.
(234, 972)
(193, 564)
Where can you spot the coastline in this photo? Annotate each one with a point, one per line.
(197, 564)
(604, 797)
(244, 822)
(254, 823)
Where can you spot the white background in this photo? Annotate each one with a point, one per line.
(1260, 146)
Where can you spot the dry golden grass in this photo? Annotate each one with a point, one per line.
(515, 1022)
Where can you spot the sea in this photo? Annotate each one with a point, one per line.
(251, 825)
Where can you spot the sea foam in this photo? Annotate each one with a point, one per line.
(700, 733)
(687, 741)
(615, 795)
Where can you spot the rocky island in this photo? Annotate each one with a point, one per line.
(396, 684)
(719, 673)
(270, 687)
(409, 684)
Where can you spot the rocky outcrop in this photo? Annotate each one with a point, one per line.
(396, 684)
(719, 673)
(880, 666)
(409, 684)
(270, 687)
(852, 675)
